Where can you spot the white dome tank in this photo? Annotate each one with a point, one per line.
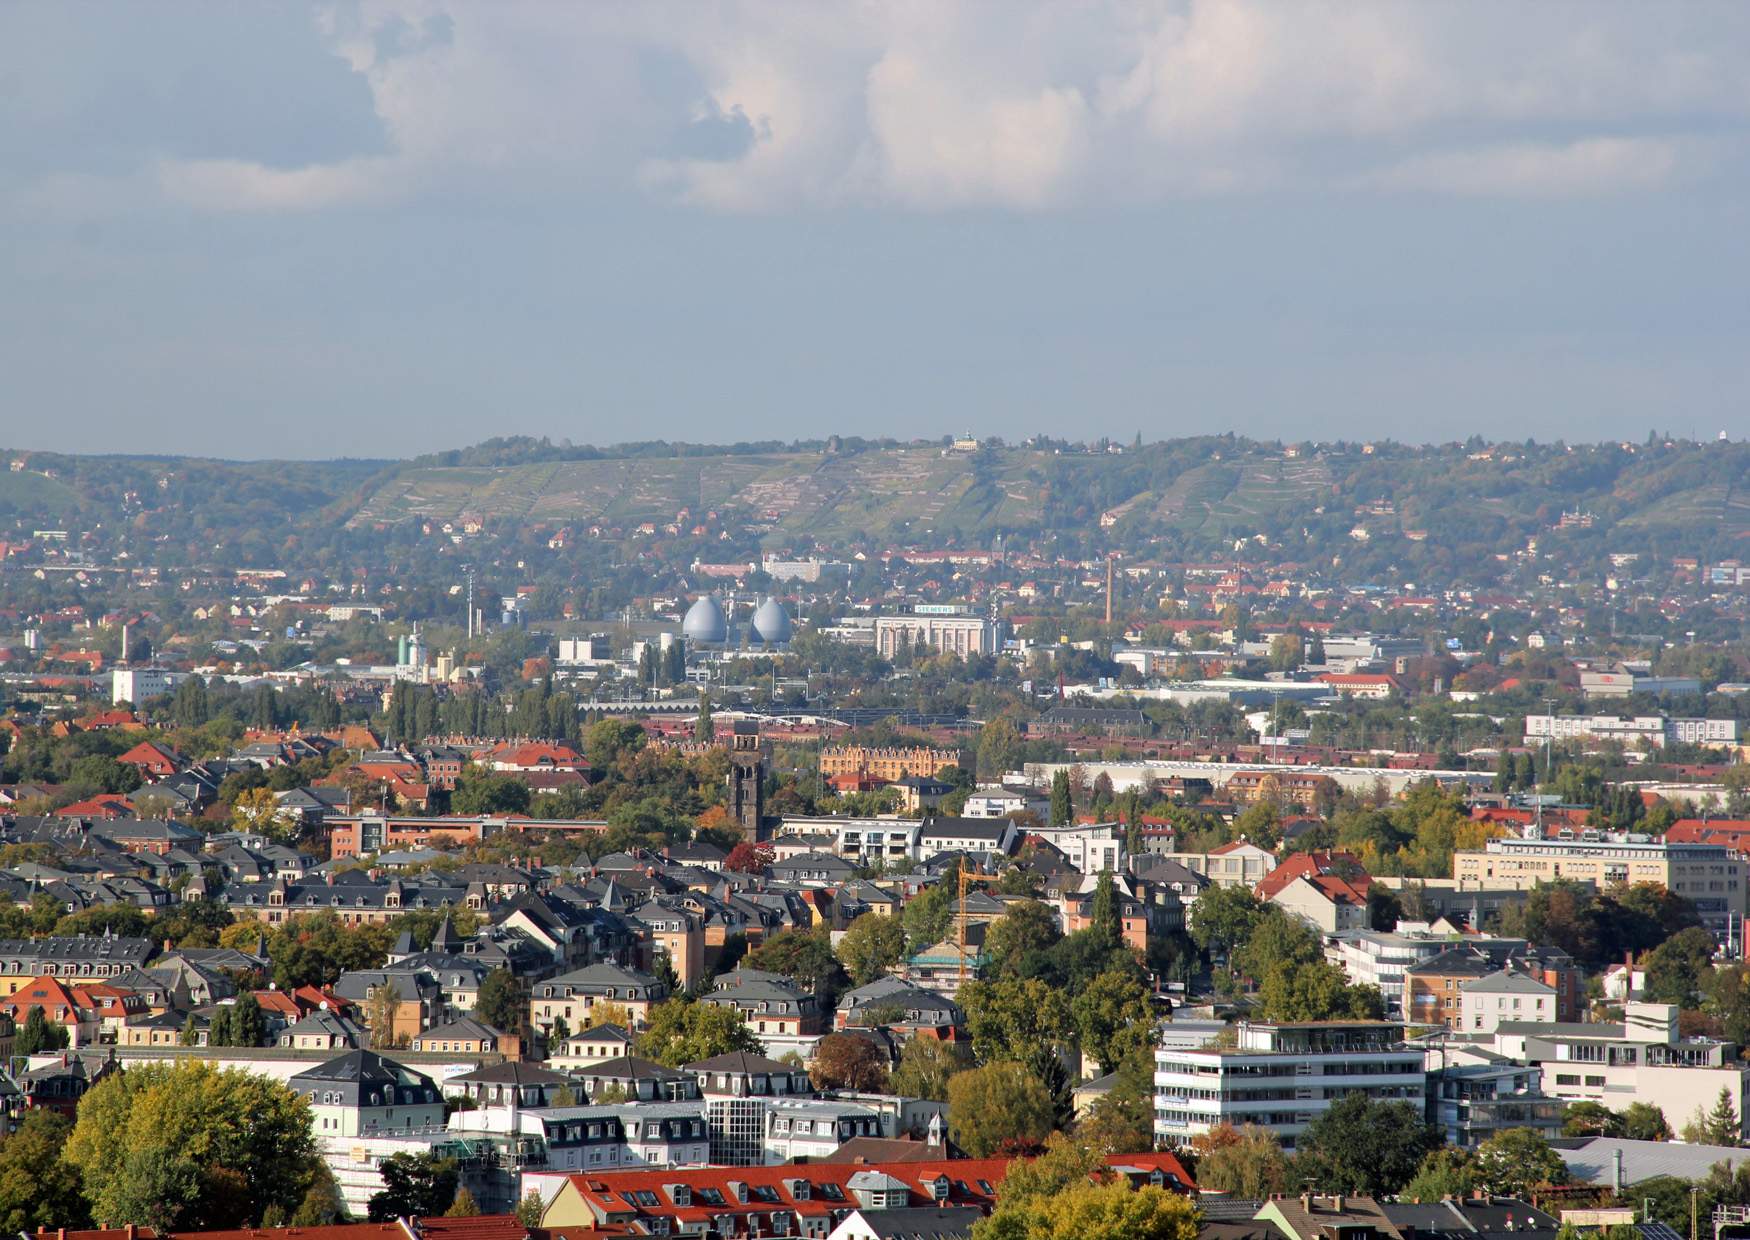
(705, 622)
(771, 625)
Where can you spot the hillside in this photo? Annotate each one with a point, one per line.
(1192, 495)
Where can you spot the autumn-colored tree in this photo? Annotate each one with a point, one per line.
(748, 858)
(848, 1061)
(1110, 1211)
(1243, 1162)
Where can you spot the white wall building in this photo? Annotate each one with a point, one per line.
(1651, 730)
(1000, 802)
(961, 635)
(1483, 1005)
(1282, 1077)
(136, 684)
(1092, 848)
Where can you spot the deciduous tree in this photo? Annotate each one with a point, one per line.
(1363, 1146)
(38, 1189)
(1002, 1106)
(847, 1061)
(1244, 1162)
(414, 1186)
(501, 1002)
(1110, 1211)
(873, 945)
(682, 1031)
(190, 1147)
(1114, 1016)
(925, 1067)
(1513, 1162)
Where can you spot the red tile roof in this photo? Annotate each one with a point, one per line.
(1325, 870)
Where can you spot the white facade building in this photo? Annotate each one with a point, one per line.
(1000, 802)
(1092, 848)
(1282, 1077)
(136, 684)
(1651, 730)
(961, 635)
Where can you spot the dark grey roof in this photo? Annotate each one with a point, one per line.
(511, 1072)
(922, 1222)
(742, 1061)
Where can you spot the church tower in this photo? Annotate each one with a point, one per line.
(747, 780)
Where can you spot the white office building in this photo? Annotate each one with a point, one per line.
(1282, 1077)
(961, 635)
(1650, 730)
(136, 684)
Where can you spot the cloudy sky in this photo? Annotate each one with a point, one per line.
(383, 227)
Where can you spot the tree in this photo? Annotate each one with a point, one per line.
(322, 1204)
(873, 945)
(1642, 1121)
(682, 1031)
(38, 1189)
(927, 916)
(1086, 1211)
(1016, 942)
(381, 1004)
(749, 858)
(1223, 918)
(1121, 1120)
(1001, 1106)
(238, 1024)
(806, 958)
(925, 1067)
(257, 810)
(1103, 918)
(1719, 1126)
(703, 727)
(847, 1061)
(464, 1206)
(480, 792)
(1114, 1015)
(1063, 1163)
(1242, 1162)
(414, 1186)
(1062, 808)
(501, 1003)
(1677, 967)
(1363, 1146)
(530, 1209)
(1443, 1173)
(37, 1035)
(1514, 1161)
(188, 1147)
(1590, 1119)
(1026, 1021)
(606, 1012)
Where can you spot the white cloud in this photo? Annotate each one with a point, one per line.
(1527, 169)
(940, 104)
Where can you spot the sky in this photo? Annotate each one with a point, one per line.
(388, 227)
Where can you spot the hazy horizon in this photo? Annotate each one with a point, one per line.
(392, 227)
